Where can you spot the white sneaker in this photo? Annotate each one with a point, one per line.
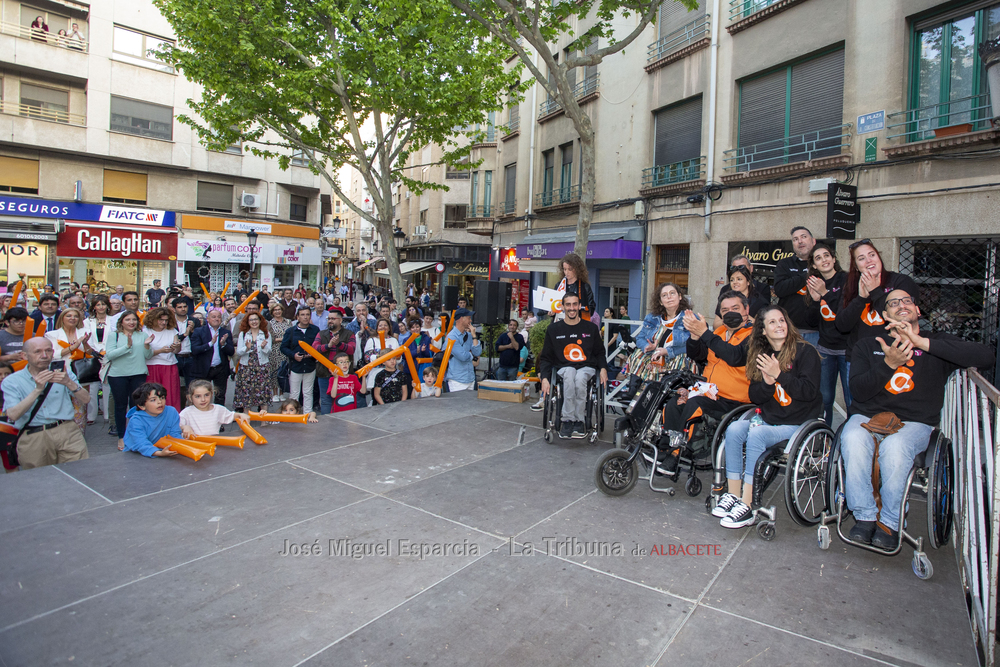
(537, 407)
(724, 505)
(275, 399)
(740, 515)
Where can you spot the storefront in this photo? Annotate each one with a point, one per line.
(107, 255)
(28, 257)
(465, 275)
(505, 266)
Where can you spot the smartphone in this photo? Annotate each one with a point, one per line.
(57, 365)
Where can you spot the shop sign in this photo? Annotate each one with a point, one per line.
(843, 213)
(26, 258)
(133, 216)
(299, 254)
(619, 249)
(246, 226)
(44, 208)
(471, 267)
(116, 244)
(218, 251)
(509, 262)
(210, 223)
(764, 255)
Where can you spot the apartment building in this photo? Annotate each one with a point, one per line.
(721, 128)
(99, 181)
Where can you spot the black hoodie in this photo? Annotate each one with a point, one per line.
(795, 398)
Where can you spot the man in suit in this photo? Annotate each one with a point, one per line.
(48, 311)
(211, 347)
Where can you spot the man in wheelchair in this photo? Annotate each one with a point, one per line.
(574, 350)
(903, 373)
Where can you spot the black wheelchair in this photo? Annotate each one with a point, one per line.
(931, 474)
(803, 458)
(594, 409)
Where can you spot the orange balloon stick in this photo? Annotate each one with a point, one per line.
(287, 419)
(251, 432)
(315, 354)
(181, 447)
(17, 292)
(29, 328)
(79, 354)
(224, 290)
(18, 365)
(412, 367)
(381, 339)
(378, 362)
(444, 362)
(424, 360)
(243, 305)
(38, 297)
(220, 440)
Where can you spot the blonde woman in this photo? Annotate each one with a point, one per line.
(69, 343)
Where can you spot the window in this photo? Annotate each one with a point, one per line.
(297, 209)
(423, 217)
(456, 173)
(336, 206)
(548, 176)
(509, 185)
(18, 176)
(137, 48)
(513, 111)
(454, 216)
(45, 103)
(677, 145)
(124, 187)
(215, 197)
(475, 189)
(299, 158)
(284, 275)
(675, 16)
(792, 114)
(141, 118)
(590, 71)
(566, 176)
(487, 192)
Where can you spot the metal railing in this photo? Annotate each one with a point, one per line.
(42, 37)
(480, 211)
(565, 195)
(678, 172)
(508, 207)
(740, 9)
(970, 418)
(678, 39)
(582, 89)
(513, 124)
(798, 148)
(920, 123)
(39, 113)
(611, 398)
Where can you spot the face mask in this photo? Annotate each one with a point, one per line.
(732, 319)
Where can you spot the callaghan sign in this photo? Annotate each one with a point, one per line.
(116, 244)
(70, 210)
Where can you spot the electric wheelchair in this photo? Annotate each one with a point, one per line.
(593, 410)
(931, 474)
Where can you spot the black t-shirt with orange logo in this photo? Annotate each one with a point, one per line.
(915, 391)
(862, 317)
(579, 345)
(823, 315)
(795, 398)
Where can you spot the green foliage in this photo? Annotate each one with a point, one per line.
(536, 337)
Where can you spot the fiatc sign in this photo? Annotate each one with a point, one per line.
(44, 208)
(91, 242)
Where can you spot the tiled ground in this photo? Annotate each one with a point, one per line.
(441, 532)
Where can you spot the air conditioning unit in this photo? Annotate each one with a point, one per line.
(420, 230)
(248, 200)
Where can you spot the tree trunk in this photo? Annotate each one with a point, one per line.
(588, 183)
(384, 229)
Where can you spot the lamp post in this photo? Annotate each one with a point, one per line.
(252, 241)
(990, 53)
(398, 236)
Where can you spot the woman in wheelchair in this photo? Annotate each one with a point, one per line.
(784, 374)
(661, 344)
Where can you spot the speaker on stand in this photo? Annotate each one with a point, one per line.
(450, 297)
(492, 300)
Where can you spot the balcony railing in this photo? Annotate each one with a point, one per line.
(480, 211)
(42, 37)
(507, 207)
(678, 172)
(38, 113)
(798, 148)
(926, 122)
(513, 125)
(582, 89)
(454, 224)
(740, 9)
(679, 39)
(565, 195)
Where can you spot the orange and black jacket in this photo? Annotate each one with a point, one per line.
(795, 397)
(724, 361)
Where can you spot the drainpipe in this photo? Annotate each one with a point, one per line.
(531, 154)
(713, 90)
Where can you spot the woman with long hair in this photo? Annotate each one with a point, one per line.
(576, 280)
(824, 288)
(161, 324)
(253, 351)
(784, 372)
(276, 328)
(661, 344)
(867, 284)
(100, 308)
(127, 349)
(741, 281)
(69, 342)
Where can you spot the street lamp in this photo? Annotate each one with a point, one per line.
(252, 240)
(398, 236)
(336, 223)
(351, 256)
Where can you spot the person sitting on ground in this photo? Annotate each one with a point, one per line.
(293, 407)
(784, 372)
(202, 416)
(391, 384)
(427, 388)
(574, 350)
(345, 387)
(904, 373)
(150, 420)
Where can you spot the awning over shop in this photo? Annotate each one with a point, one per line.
(370, 261)
(616, 243)
(407, 268)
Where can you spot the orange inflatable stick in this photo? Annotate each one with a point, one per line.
(209, 447)
(274, 417)
(18, 365)
(444, 362)
(77, 355)
(424, 360)
(378, 362)
(17, 293)
(42, 328)
(412, 367)
(219, 440)
(315, 354)
(247, 300)
(181, 447)
(38, 297)
(251, 432)
(29, 328)
(204, 291)
(381, 339)
(224, 290)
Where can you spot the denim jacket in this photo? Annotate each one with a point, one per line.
(651, 323)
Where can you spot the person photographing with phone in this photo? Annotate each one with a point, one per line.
(40, 399)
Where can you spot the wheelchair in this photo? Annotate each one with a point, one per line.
(803, 458)
(593, 411)
(931, 474)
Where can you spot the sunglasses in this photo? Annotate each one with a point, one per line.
(861, 243)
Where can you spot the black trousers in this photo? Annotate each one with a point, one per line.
(219, 377)
(676, 416)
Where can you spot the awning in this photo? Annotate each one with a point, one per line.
(370, 261)
(607, 242)
(407, 268)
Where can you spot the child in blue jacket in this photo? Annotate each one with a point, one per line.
(150, 420)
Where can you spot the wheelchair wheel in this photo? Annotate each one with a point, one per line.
(615, 474)
(940, 491)
(833, 490)
(805, 474)
(692, 486)
(601, 409)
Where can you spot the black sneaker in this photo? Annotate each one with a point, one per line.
(862, 532)
(724, 505)
(740, 515)
(885, 541)
(566, 431)
(579, 430)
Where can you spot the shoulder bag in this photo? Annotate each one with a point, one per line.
(9, 435)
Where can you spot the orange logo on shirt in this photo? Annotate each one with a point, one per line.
(803, 291)
(781, 396)
(901, 381)
(871, 317)
(826, 312)
(574, 353)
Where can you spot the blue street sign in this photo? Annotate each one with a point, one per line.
(871, 122)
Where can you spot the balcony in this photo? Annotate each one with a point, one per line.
(677, 177)
(480, 211)
(582, 92)
(680, 43)
(745, 13)
(507, 208)
(802, 152)
(941, 121)
(568, 196)
(39, 37)
(513, 126)
(39, 113)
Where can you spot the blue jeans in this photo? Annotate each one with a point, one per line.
(812, 337)
(325, 399)
(362, 400)
(832, 365)
(895, 458)
(756, 440)
(507, 373)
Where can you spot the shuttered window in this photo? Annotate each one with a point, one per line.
(678, 133)
(215, 197)
(124, 187)
(509, 184)
(18, 175)
(614, 278)
(674, 16)
(762, 112)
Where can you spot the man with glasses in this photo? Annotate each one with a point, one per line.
(903, 372)
(790, 275)
(331, 341)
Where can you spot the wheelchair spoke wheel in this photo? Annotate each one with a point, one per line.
(940, 494)
(805, 477)
(615, 474)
